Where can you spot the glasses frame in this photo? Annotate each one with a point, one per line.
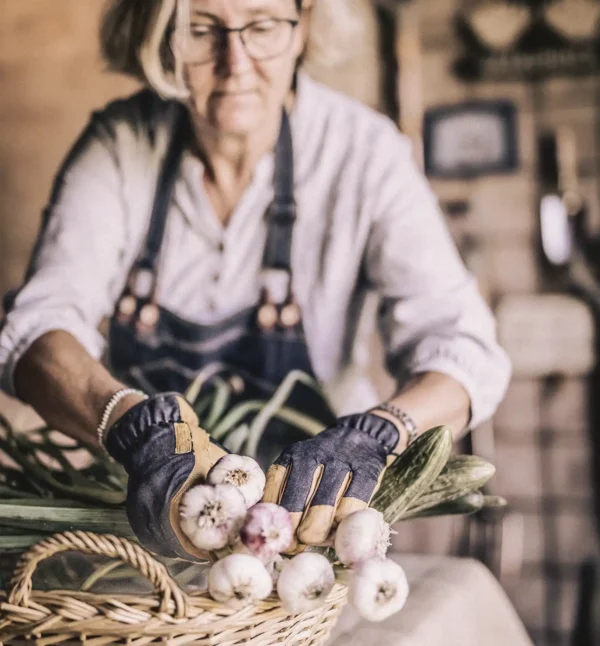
(223, 33)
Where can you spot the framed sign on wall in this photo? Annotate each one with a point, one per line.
(471, 139)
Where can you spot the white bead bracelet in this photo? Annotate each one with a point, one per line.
(114, 400)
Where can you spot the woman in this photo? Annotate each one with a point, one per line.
(174, 214)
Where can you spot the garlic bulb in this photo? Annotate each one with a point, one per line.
(304, 582)
(211, 517)
(267, 530)
(362, 536)
(242, 472)
(238, 580)
(378, 589)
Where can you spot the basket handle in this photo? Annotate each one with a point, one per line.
(102, 545)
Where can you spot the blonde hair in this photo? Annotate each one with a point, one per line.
(135, 37)
(135, 40)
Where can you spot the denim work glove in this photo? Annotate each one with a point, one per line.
(165, 453)
(322, 480)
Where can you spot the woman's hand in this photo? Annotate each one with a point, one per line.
(322, 480)
(165, 453)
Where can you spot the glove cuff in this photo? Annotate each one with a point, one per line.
(132, 430)
(380, 429)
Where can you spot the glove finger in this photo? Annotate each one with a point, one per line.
(299, 485)
(204, 453)
(276, 477)
(319, 518)
(363, 486)
(358, 495)
(297, 494)
(346, 507)
(189, 437)
(335, 480)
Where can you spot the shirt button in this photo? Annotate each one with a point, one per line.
(221, 247)
(215, 277)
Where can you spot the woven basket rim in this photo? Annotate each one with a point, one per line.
(15, 622)
(196, 599)
(167, 612)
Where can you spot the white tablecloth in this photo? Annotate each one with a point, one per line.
(452, 602)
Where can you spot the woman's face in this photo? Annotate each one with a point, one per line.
(241, 87)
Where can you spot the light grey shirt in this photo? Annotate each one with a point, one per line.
(367, 220)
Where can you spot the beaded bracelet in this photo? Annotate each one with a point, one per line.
(407, 421)
(114, 400)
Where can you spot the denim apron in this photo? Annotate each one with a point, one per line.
(154, 349)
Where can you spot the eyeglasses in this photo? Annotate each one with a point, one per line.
(262, 39)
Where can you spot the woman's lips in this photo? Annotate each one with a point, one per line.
(235, 98)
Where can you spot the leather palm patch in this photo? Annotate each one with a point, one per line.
(183, 438)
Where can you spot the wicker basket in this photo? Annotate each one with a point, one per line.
(168, 617)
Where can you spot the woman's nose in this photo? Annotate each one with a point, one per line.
(233, 56)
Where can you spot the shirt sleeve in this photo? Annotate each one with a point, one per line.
(77, 257)
(432, 315)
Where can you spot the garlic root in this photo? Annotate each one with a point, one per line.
(305, 582)
(211, 516)
(242, 472)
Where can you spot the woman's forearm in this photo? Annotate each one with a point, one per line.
(432, 399)
(67, 387)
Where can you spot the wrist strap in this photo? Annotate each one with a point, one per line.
(407, 421)
(108, 409)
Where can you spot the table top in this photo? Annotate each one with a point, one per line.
(452, 602)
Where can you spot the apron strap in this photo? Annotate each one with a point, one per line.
(281, 215)
(148, 259)
(139, 296)
(278, 306)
